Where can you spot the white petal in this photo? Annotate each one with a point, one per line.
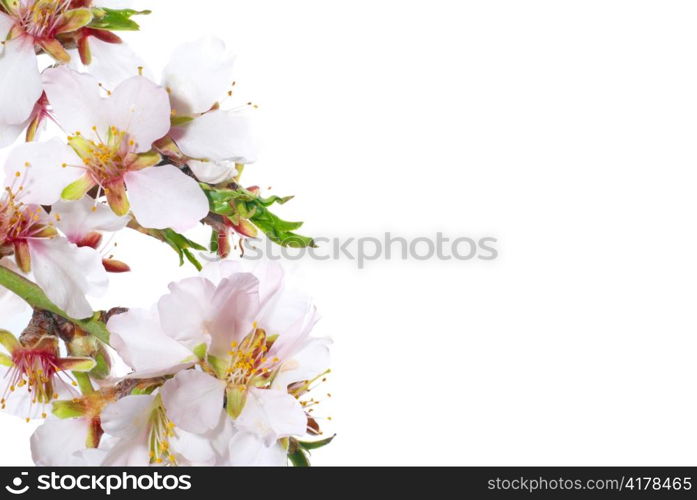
(10, 133)
(79, 218)
(141, 108)
(112, 63)
(213, 172)
(185, 311)
(56, 440)
(127, 416)
(138, 338)
(192, 449)
(198, 75)
(247, 450)
(76, 101)
(6, 23)
(193, 400)
(163, 197)
(20, 81)
(268, 274)
(236, 305)
(129, 451)
(217, 136)
(68, 273)
(272, 414)
(309, 362)
(41, 172)
(216, 271)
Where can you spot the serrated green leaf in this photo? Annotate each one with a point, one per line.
(280, 231)
(183, 246)
(313, 445)
(116, 19)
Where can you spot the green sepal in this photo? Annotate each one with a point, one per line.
(8, 341)
(116, 19)
(200, 351)
(69, 408)
(299, 458)
(280, 231)
(178, 121)
(236, 399)
(218, 365)
(313, 445)
(5, 360)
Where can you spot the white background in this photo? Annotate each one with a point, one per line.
(566, 129)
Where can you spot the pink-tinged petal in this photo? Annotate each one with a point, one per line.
(138, 338)
(44, 168)
(198, 75)
(271, 415)
(236, 306)
(56, 440)
(10, 133)
(247, 450)
(76, 101)
(164, 196)
(6, 23)
(79, 219)
(311, 360)
(140, 108)
(67, 273)
(131, 451)
(186, 310)
(20, 81)
(217, 271)
(127, 416)
(213, 172)
(113, 63)
(193, 400)
(218, 136)
(192, 449)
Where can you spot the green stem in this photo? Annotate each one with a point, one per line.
(35, 297)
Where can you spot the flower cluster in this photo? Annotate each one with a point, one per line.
(223, 370)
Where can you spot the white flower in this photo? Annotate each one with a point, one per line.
(198, 78)
(111, 140)
(65, 272)
(251, 339)
(31, 370)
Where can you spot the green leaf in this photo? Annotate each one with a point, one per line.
(182, 245)
(299, 458)
(116, 19)
(278, 230)
(313, 445)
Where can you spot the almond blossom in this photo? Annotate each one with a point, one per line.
(199, 77)
(32, 374)
(252, 342)
(112, 138)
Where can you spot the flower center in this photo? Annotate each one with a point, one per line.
(105, 160)
(17, 220)
(33, 369)
(161, 430)
(247, 362)
(41, 18)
